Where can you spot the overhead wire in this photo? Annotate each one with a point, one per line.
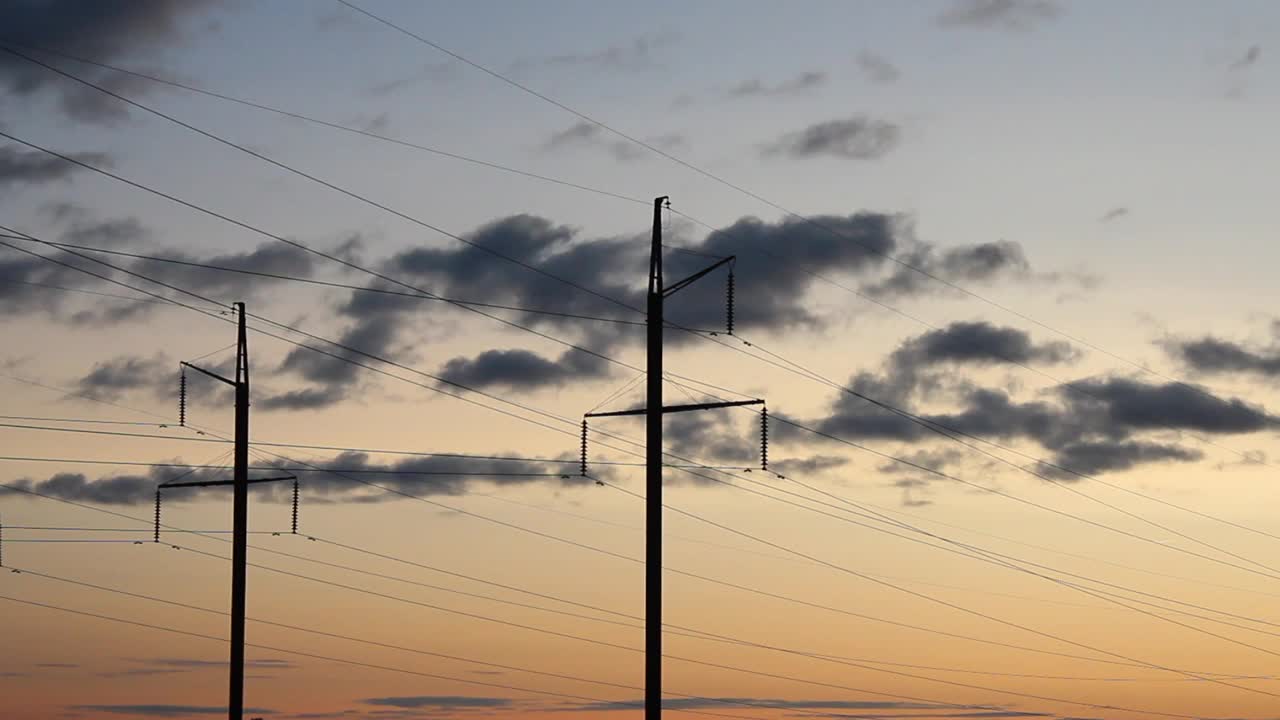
(136, 288)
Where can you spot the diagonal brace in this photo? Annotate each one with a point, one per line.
(213, 375)
(673, 288)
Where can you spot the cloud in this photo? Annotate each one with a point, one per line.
(1089, 426)
(980, 263)
(721, 702)
(523, 370)
(428, 71)
(773, 294)
(19, 167)
(103, 31)
(269, 257)
(111, 379)
(877, 68)
(999, 14)
(755, 87)
(636, 54)
(1248, 59)
(197, 663)
(1212, 355)
(421, 476)
(1092, 458)
(583, 134)
(854, 138)
(980, 343)
(808, 465)
(312, 398)
(1114, 214)
(448, 702)
(165, 711)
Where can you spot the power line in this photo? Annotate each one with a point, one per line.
(197, 296)
(313, 178)
(242, 224)
(500, 167)
(322, 283)
(135, 273)
(756, 196)
(951, 605)
(135, 288)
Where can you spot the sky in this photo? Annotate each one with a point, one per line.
(1003, 276)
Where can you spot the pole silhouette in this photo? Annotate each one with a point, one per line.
(239, 509)
(654, 411)
(653, 479)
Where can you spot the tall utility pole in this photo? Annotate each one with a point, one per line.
(653, 478)
(240, 511)
(653, 413)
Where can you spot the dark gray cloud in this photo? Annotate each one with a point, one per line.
(451, 702)
(774, 703)
(877, 68)
(1090, 426)
(523, 370)
(756, 87)
(1212, 355)
(269, 257)
(999, 14)
(854, 138)
(422, 476)
(1114, 214)
(112, 379)
(312, 398)
(980, 343)
(25, 280)
(583, 134)
(165, 711)
(808, 465)
(102, 30)
(19, 167)
(772, 294)
(1092, 458)
(969, 264)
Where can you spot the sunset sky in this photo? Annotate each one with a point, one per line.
(1005, 276)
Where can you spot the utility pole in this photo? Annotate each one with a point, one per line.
(653, 413)
(240, 509)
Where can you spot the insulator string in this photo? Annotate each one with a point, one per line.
(584, 447)
(295, 507)
(729, 291)
(182, 397)
(156, 535)
(764, 438)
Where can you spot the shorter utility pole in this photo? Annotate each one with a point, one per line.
(240, 507)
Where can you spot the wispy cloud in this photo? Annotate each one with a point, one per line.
(589, 135)
(855, 138)
(756, 87)
(999, 14)
(636, 54)
(877, 68)
(165, 711)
